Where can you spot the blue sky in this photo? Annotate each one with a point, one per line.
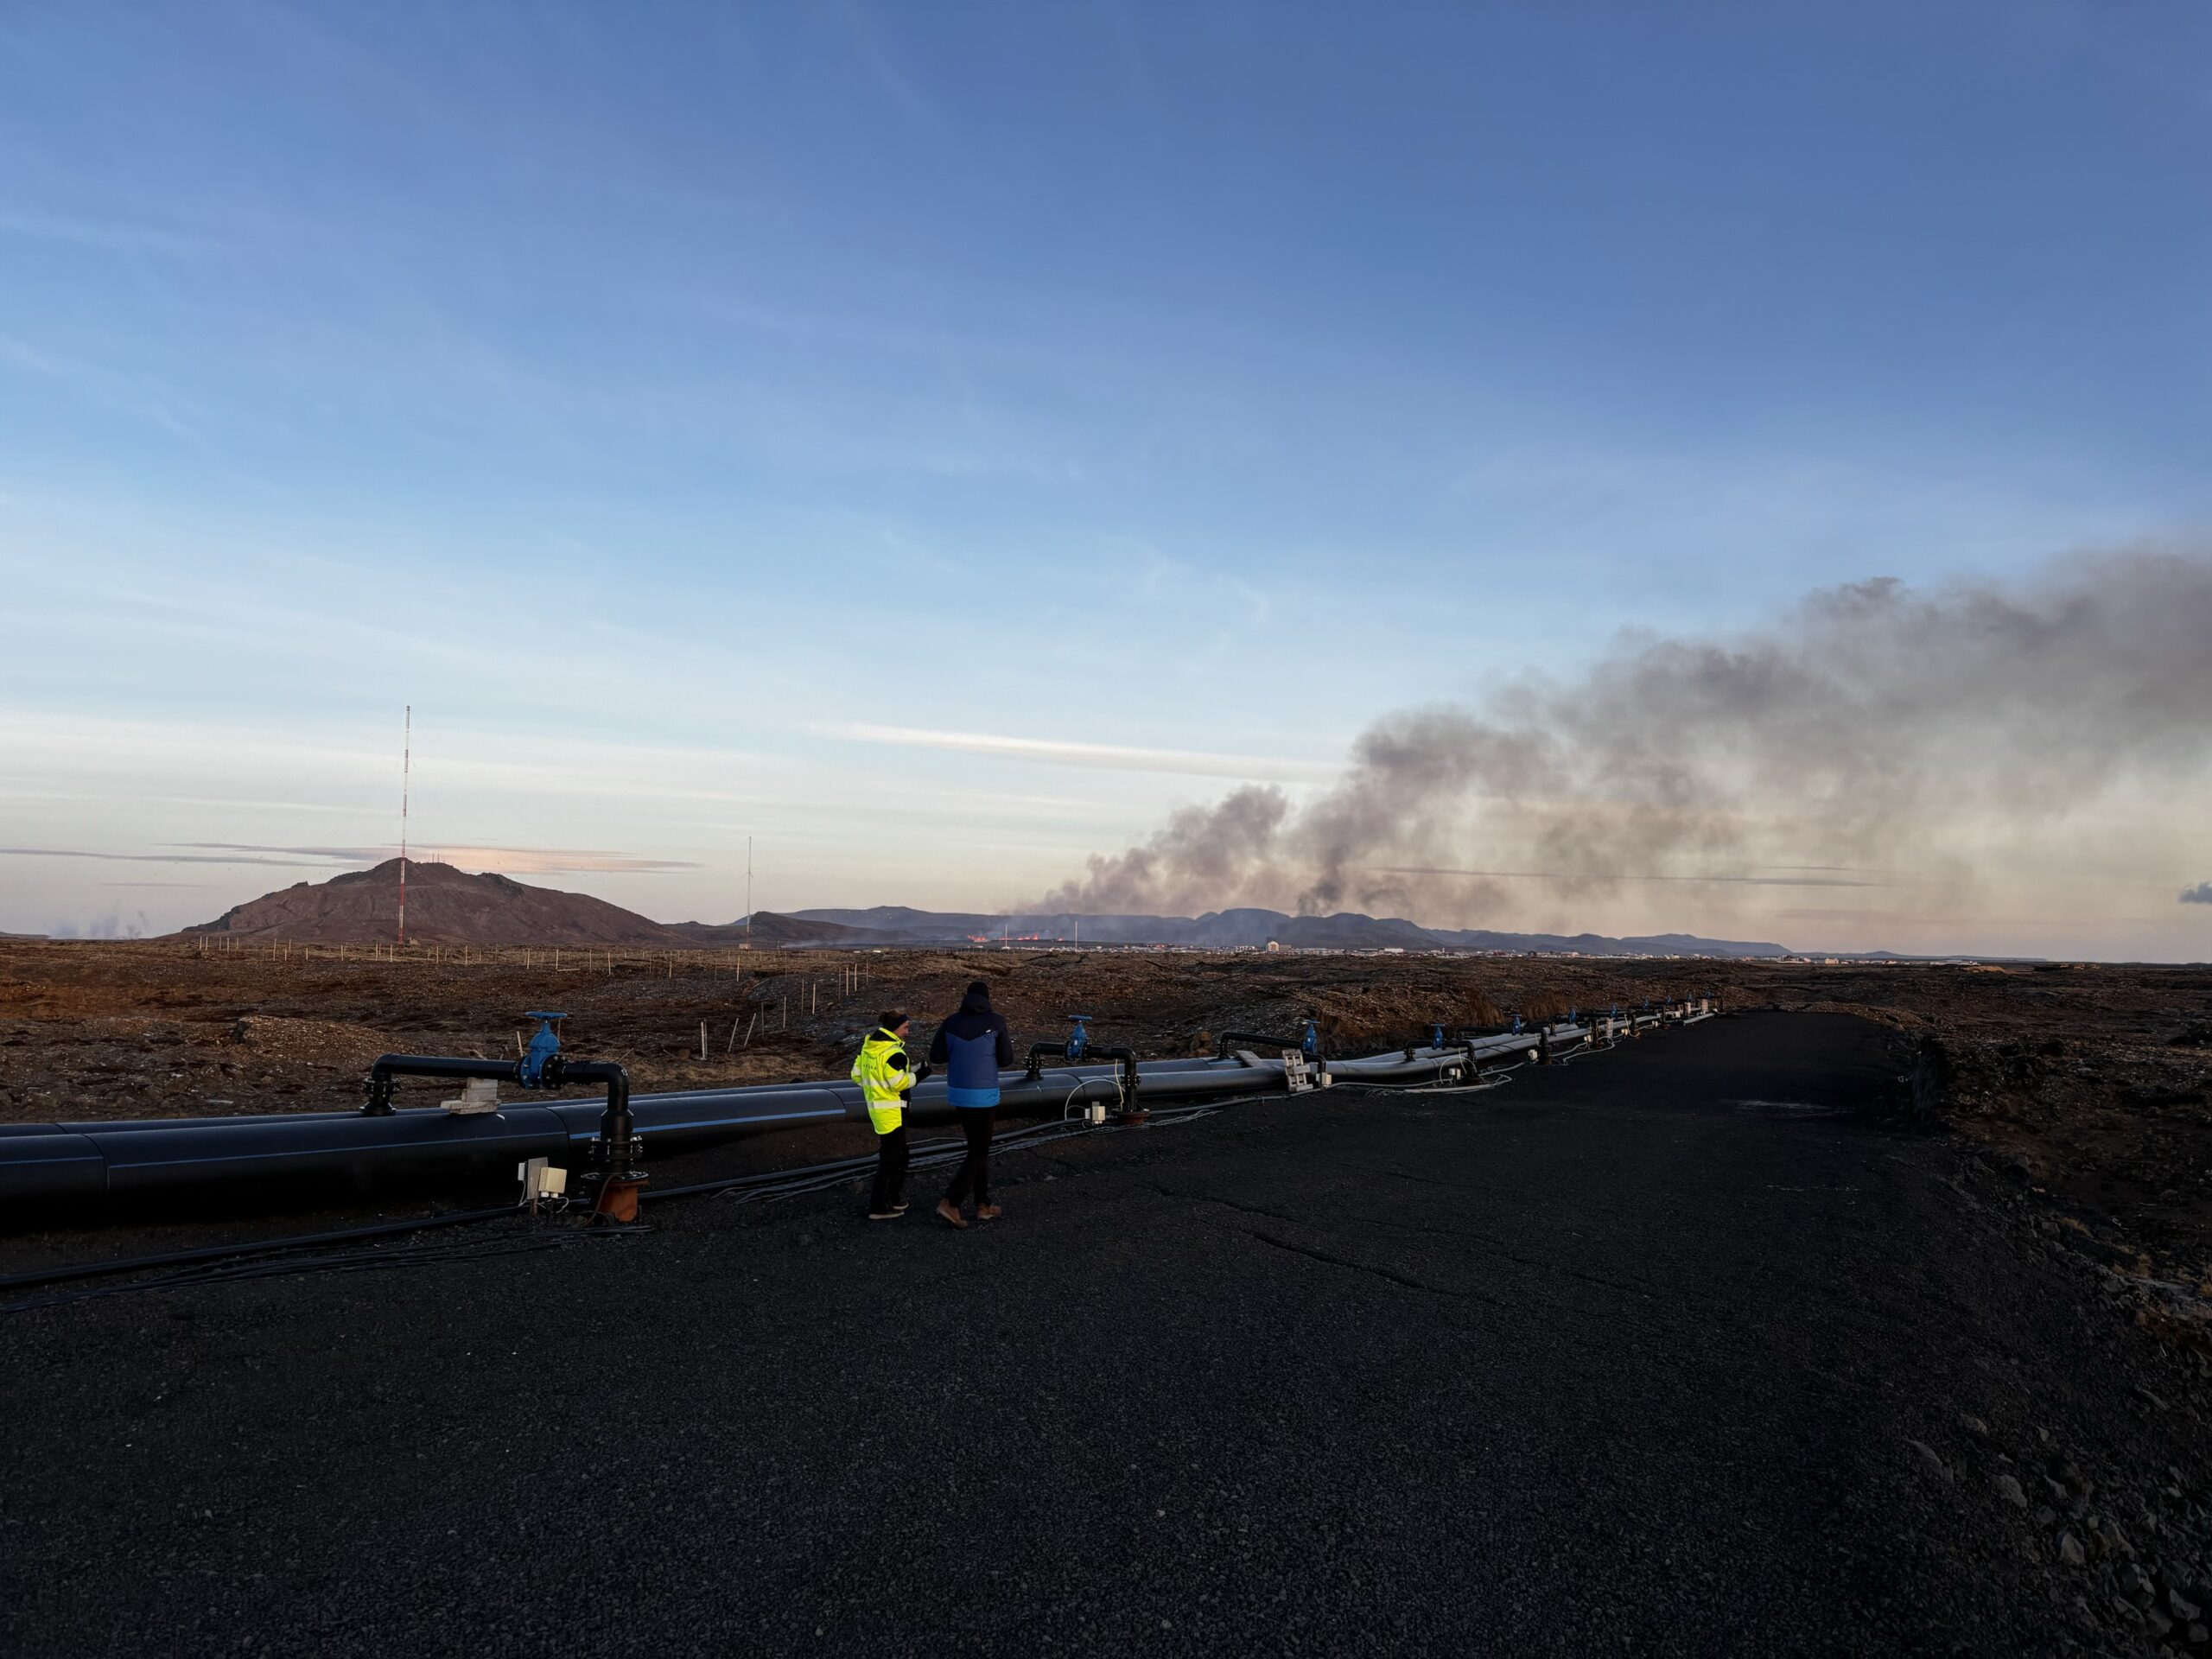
(685, 407)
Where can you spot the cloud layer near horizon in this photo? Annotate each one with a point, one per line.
(506, 861)
(1960, 732)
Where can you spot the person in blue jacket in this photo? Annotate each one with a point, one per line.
(973, 1047)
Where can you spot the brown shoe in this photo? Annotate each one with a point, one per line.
(950, 1213)
(986, 1212)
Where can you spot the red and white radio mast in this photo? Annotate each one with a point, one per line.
(406, 767)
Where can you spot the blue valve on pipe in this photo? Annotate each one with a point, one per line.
(1079, 1039)
(1310, 1045)
(1436, 1036)
(544, 1044)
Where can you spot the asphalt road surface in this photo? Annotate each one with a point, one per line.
(1624, 1356)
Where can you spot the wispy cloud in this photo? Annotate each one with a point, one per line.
(509, 861)
(542, 861)
(335, 855)
(122, 235)
(149, 858)
(1115, 757)
(113, 390)
(860, 32)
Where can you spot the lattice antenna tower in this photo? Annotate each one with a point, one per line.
(406, 775)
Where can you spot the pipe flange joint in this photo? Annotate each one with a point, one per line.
(620, 1162)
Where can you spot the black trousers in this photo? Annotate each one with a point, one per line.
(975, 1173)
(890, 1170)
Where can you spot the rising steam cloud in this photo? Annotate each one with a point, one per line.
(1873, 723)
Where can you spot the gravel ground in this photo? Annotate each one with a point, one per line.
(1686, 1349)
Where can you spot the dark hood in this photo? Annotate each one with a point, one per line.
(976, 1002)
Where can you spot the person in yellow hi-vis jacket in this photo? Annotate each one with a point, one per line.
(885, 1076)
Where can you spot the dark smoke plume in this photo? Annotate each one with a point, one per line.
(2199, 894)
(1872, 721)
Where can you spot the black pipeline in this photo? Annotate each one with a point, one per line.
(69, 1164)
(142, 1159)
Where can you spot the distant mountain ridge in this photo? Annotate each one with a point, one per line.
(446, 906)
(768, 928)
(1255, 928)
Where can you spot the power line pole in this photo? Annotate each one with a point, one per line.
(748, 890)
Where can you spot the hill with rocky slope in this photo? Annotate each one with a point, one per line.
(445, 905)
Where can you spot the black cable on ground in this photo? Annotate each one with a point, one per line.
(1421, 1088)
(263, 1267)
(224, 1252)
(768, 1177)
(929, 1154)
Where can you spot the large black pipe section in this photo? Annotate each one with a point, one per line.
(144, 1161)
